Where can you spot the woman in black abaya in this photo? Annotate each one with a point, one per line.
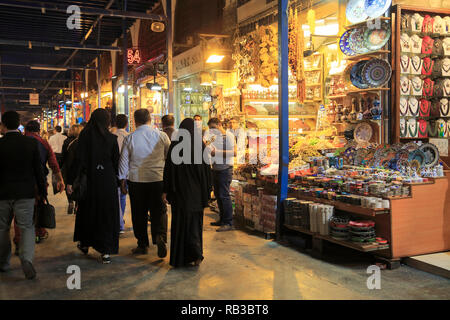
(187, 187)
(97, 219)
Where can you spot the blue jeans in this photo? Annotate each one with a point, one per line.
(123, 202)
(222, 181)
(23, 209)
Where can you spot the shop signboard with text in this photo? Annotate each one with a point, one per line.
(189, 62)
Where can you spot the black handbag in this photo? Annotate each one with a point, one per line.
(45, 215)
(79, 187)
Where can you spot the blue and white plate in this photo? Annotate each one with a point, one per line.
(356, 75)
(376, 8)
(355, 11)
(376, 72)
(344, 44)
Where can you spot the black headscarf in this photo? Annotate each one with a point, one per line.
(100, 120)
(188, 124)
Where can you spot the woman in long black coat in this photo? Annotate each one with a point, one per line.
(187, 187)
(97, 219)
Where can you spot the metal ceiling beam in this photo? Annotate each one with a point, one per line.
(84, 10)
(30, 88)
(108, 5)
(38, 79)
(26, 43)
(44, 66)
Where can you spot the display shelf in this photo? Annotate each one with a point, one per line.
(358, 91)
(297, 116)
(313, 84)
(367, 22)
(256, 100)
(337, 97)
(345, 206)
(313, 69)
(419, 183)
(367, 54)
(366, 247)
(299, 229)
(312, 101)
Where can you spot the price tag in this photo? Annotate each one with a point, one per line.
(442, 145)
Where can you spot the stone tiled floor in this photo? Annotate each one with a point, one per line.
(236, 266)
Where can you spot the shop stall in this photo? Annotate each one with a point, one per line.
(356, 179)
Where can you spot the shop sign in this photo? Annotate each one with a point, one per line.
(189, 62)
(134, 56)
(442, 145)
(34, 99)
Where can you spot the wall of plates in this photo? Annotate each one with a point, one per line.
(366, 46)
(424, 73)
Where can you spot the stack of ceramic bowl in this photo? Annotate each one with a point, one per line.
(339, 228)
(362, 231)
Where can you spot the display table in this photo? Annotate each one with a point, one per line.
(414, 225)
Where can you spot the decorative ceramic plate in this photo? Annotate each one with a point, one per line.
(363, 132)
(375, 39)
(410, 146)
(419, 156)
(356, 75)
(376, 8)
(355, 11)
(356, 41)
(376, 72)
(344, 44)
(431, 154)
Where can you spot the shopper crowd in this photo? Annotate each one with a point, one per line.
(97, 165)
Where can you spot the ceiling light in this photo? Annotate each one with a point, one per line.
(158, 27)
(214, 58)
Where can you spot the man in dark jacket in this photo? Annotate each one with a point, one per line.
(21, 177)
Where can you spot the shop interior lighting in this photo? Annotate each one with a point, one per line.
(156, 87)
(68, 102)
(187, 89)
(215, 58)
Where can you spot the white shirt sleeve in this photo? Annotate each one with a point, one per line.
(124, 159)
(166, 141)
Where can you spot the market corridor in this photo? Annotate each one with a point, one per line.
(236, 266)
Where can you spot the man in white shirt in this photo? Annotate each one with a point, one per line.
(56, 141)
(142, 164)
(121, 133)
